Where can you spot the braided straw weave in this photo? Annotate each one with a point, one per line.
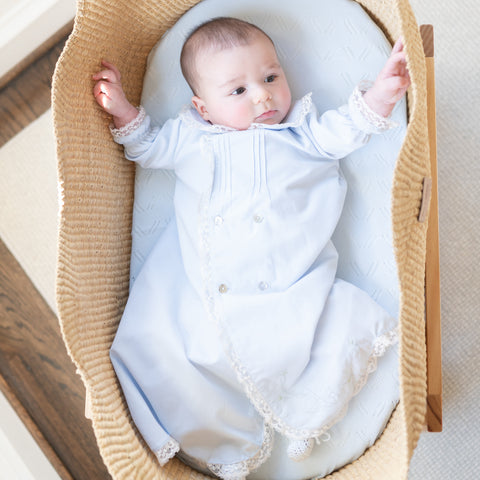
(94, 235)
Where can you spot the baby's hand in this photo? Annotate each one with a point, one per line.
(391, 84)
(109, 94)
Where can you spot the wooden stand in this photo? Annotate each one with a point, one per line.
(432, 269)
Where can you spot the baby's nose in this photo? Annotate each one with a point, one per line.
(262, 95)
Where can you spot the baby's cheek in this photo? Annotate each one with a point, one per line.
(241, 116)
(287, 100)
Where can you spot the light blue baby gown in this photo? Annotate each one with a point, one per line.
(236, 324)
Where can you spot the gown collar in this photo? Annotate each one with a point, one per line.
(300, 109)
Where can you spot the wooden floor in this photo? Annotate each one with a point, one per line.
(36, 374)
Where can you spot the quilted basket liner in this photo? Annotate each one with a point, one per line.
(96, 216)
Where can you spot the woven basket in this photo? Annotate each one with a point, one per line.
(95, 229)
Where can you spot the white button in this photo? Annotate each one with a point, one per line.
(218, 220)
(257, 218)
(223, 288)
(263, 286)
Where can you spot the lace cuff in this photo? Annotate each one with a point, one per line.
(364, 116)
(167, 452)
(129, 127)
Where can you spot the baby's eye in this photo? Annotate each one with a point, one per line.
(270, 78)
(239, 91)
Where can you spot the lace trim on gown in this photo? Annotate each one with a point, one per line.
(378, 349)
(239, 471)
(167, 452)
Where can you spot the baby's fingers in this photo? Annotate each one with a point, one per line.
(395, 65)
(110, 74)
(108, 94)
(113, 68)
(398, 47)
(107, 75)
(395, 88)
(100, 88)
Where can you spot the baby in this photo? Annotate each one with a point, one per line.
(237, 325)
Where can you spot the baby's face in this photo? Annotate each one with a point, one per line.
(242, 85)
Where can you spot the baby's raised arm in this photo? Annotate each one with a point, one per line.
(109, 94)
(391, 84)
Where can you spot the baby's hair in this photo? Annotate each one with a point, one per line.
(219, 33)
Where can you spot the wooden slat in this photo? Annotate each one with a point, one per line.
(426, 31)
(39, 379)
(432, 274)
(28, 96)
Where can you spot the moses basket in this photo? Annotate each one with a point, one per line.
(97, 189)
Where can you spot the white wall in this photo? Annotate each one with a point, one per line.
(27, 24)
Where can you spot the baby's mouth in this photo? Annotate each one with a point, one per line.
(265, 116)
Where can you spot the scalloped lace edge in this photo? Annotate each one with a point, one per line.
(167, 452)
(239, 471)
(378, 349)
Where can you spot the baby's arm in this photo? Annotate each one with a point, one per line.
(109, 94)
(145, 143)
(391, 84)
(338, 133)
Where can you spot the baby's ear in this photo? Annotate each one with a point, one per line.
(200, 106)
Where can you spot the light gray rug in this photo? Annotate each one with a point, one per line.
(28, 202)
(28, 210)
